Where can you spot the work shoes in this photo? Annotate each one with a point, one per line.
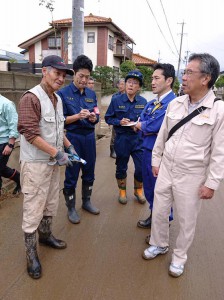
(176, 270)
(146, 224)
(153, 251)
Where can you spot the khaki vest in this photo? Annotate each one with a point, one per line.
(51, 127)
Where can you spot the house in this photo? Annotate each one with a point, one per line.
(140, 60)
(104, 42)
(7, 56)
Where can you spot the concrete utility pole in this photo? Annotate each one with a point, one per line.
(181, 39)
(77, 28)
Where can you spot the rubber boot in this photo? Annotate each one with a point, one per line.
(112, 152)
(16, 178)
(33, 264)
(86, 204)
(138, 191)
(45, 234)
(70, 198)
(122, 190)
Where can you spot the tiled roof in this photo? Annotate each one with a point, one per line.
(142, 60)
(87, 19)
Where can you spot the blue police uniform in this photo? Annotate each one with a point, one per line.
(151, 120)
(127, 141)
(80, 133)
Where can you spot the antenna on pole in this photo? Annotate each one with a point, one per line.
(181, 39)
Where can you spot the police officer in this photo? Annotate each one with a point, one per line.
(150, 122)
(121, 90)
(81, 115)
(123, 112)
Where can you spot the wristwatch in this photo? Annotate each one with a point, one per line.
(11, 146)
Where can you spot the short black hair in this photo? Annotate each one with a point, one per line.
(82, 62)
(168, 70)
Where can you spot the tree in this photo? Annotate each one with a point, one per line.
(126, 67)
(220, 82)
(147, 75)
(105, 75)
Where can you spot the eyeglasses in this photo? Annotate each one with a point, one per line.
(134, 82)
(190, 72)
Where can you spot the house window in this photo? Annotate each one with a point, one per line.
(54, 42)
(111, 42)
(90, 37)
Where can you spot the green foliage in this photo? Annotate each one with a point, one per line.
(106, 76)
(176, 86)
(126, 67)
(147, 75)
(219, 82)
(48, 4)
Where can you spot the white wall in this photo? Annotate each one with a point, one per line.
(38, 53)
(90, 49)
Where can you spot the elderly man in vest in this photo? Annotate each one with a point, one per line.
(41, 125)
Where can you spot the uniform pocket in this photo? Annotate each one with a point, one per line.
(200, 131)
(173, 119)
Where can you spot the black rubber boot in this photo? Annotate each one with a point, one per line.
(16, 178)
(33, 263)
(86, 194)
(46, 237)
(70, 198)
(112, 152)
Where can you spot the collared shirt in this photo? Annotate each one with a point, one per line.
(152, 117)
(121, 107)
(8, 120)
(73, 102)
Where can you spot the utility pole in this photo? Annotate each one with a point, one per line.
(186, 57)
(181, 39)
(77, 28)
(159, 56)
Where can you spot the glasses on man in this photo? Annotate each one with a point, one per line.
(189, 72)
(134, 82)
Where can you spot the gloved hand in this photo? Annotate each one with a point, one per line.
(71, 150)
(63, 159)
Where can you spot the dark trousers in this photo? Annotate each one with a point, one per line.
(5, 171)
(127, 145)
(85, 146)
(149, 180)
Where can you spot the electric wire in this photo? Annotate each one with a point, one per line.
(160, 28)
(169, 26)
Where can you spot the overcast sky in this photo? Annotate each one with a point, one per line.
(203, 24)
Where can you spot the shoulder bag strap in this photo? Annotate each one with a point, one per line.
(194, 113)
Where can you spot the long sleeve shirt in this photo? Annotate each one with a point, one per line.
(8, 120)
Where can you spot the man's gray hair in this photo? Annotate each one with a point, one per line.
(208, 65)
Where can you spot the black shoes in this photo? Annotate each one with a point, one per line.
(146, 224)
(52, 242)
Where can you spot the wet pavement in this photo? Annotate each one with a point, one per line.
(103, 260)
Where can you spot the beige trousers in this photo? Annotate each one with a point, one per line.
(40, 187)
(183, 190)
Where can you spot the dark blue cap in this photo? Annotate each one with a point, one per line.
(135, 74)
(57, 63)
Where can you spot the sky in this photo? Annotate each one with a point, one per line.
(154, 25)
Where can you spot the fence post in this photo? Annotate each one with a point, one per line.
(33, 68)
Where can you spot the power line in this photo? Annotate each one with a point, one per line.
(169, 27)
(160, 28)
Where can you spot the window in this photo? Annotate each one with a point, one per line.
(111, 42)
(54, 42)
(90, 37)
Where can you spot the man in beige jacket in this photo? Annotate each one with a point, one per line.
(189, 165)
